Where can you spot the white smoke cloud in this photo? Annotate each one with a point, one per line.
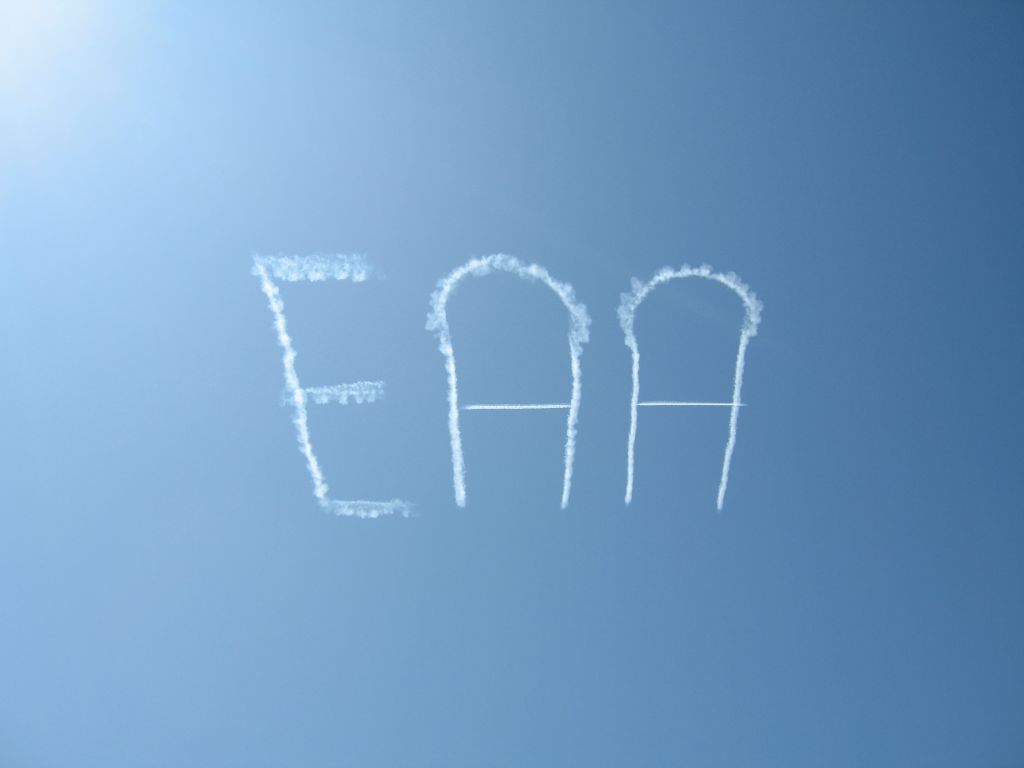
(437, 321)
(627, 314)
(318, 268)
(357, 391)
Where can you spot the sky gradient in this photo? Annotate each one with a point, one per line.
(172, 594)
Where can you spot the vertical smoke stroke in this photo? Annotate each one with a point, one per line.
(627, 314)
(315, 268)
(437, 321)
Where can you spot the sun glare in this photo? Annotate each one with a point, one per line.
(39, 38)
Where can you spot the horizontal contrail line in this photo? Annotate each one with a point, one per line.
(672, 403)
(516, 407)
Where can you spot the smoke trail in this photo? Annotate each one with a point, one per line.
(293, 268)
(437, 321)
(627, 314)
(316, 268)
(517, 407)
(678, 404)
(358, 391)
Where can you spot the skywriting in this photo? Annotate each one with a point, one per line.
(322, 268)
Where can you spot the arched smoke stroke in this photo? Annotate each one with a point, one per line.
(579, 333)
(627, 314)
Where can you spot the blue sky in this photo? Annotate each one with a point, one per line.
(170, 591)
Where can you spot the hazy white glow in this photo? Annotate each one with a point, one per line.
(40, 39)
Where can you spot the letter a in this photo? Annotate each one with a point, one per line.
(437, 321)
(627, 313)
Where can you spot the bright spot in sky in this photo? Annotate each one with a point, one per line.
(36, 38)
(57, 69)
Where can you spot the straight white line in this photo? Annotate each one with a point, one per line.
(672, 403)
(516, 407)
